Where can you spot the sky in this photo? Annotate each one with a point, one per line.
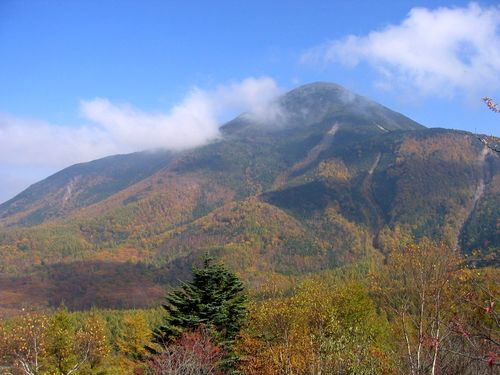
(83, 79)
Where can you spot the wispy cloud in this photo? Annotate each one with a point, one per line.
(191, 123)
(120, 128)
(439, 52)
(111, 128)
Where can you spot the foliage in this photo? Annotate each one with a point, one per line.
(215, 299)
(492, 142)
(225, 199)
(421, 291)
(323, 327)
(475, 326)
(23, 342)
(69, 349)
(133, 336)
(353, 319)
(276, 204)
(192, 354)
(38, 344)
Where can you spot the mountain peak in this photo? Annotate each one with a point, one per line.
(316, 102)
(319, 85)
(319, 93)
(321, 102)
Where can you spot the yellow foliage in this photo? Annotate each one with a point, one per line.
(334, 169)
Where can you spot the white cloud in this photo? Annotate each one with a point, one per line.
(439, 52)
(188, 124)
(120, 128)
(256, 97)
(191, 123)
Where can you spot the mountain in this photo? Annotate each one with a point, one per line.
(80, 185)
(319, 178)
(307, 113)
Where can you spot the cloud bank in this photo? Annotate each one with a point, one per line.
(191, 123)
(120, 128)
(438, 52)
(111, 128)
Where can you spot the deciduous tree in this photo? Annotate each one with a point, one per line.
(23, 343)
(194, 353)
(325, 327)
(422, 288)
(492, 142)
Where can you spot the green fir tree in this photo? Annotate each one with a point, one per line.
(215, 299)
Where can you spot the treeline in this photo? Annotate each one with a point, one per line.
(63, 342)
(422, 311)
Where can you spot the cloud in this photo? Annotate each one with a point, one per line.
(438, 52)
(111, 128)
(188, 124)
(255, 97)
(193, 122)
(121, 128)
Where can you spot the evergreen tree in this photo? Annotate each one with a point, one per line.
(60, 343)
(215, 298)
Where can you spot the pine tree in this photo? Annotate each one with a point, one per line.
(215, 298)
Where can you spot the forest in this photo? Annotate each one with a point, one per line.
(249, 187)
(421, 309)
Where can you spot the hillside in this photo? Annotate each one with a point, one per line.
(325, 180)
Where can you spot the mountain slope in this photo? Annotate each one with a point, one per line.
(249, 157)
(323, 180)
(80, 185)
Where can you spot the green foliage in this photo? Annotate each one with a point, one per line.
(60, 342)
(215, 298)
(272, 202)
(347, 320)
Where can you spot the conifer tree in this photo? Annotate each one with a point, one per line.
(215, 298)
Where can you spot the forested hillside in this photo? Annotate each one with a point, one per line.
(422, 311)
(328, 181)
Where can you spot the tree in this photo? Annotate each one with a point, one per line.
(417, 295)
(36, 344)
(193, 353)
(70, 350)
(492, 142)
(91, 342)
(326, 326)
(134, 335)
(444, 316)
(476, 324)
(23, 343)
(215, 299)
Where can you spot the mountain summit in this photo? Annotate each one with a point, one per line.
(320, 102)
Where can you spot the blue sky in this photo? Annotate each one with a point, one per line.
(83, 79)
